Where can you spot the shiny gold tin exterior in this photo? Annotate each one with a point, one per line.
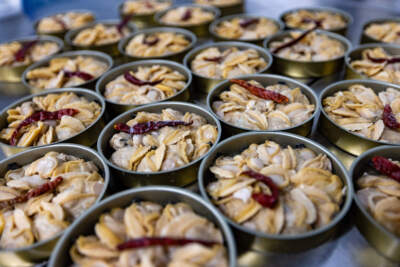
(230, 129)
(342, 31)
(344, 139)
(110, 49)
(181, 176)
(10, 77)
(159, 194)
(40, 251)
(205, 84)
(227, 10)
(356, 54)
(364, 39)
(178, 57)
(72, 54)
(141, 21)
(83, 138)
(116, 108)
(258, 41)
(250, 239)
(387, 243)
(200, 30)
(307, 69)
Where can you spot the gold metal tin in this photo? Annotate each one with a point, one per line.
(10, 77)
(384, 241)
(307, 69)
(201, 30)
(174, 56)
(40, 251)
(356, 54)
(344, 139)
(368, 39)
(250, 239)
(258, 41)
(343, 14)
(72, 54)
(230, 129)
(231, 9)
(83, 138)
(116, 108)
(141, 21)
(205, 84)
(181, 176)
(110, 49)
(59, 34)
(159, 194)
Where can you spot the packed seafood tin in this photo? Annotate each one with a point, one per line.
(10, 77)
(344, 139)
(258, 41)
(200, 30)
(303, 129)
(181, 176)
(40, 251)
(307, 69)
(364, 39)
(141, 21)
(250, 239)
(342, 30)
(205, 84)
(110, 49)
(178, 57)
(117, 108)
(84, 137)
(159, 194)
(356, 54)
(386, 242)
(71, 54)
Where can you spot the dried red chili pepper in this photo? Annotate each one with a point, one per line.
(383, 60)
(389, 119)
(268, 201)
(132, 79)
(161, 241)
(295, 40)
(152, 42)
(261, 92)
(21, 53)
(145, 127)
(187, 15)
(387, 167)
(247, 22)
(44, 188)
(41, 116)
(120, 26)
(81, 74)
(213, 59)
(148, 4)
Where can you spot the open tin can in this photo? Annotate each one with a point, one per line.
(72, 54)
(40, 251)
(356, 54)
(230, 129)
(386, 242)
(307, 69)
(181, 176)
(258, 41)
(117, 108)
(247, 238)
(342, 30)
(84, 137)
(369, 39)
(200, 30)
(348, 141)
(11, 77)
(205, 84)
(141, 21)
(178, 56)
(160, 194)
(110, 49)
